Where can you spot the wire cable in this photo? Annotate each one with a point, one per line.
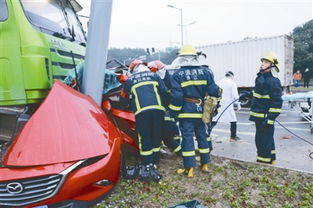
(299, 137)
(311, 143)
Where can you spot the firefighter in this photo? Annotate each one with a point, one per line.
(190, 84)
(144, 90)
(266, 106)
(170, 131)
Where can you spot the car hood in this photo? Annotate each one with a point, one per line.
(68, 126)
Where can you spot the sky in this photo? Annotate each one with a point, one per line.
(151, 23)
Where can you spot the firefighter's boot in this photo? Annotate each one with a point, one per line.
(131, 172)
(205, 168)
(154, 174)
(188, 172)
(144, 173)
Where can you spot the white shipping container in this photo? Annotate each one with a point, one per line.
(243, 58)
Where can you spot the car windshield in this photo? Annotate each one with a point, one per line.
(54, 17)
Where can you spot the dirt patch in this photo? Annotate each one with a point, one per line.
(230, 183)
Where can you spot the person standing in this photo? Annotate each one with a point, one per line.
(266, 106)
(190, 84)
(143, 89)
(229, 95)
(306, 78)
(296, 78)
(170, 131)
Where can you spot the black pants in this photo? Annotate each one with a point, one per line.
(306, 83)
(148, 127)
(170, 135)
(233, 128)
(264, 141)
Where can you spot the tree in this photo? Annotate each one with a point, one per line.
(126, 55)
(303, 46)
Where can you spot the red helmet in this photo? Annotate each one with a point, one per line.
(156, 65)
(152, 66)
(159, 64)
(134, 64)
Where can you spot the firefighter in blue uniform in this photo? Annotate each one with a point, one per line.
(190, 84)
(170, 131)
(266, 106)
(144, 90)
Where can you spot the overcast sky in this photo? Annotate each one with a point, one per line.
(151, 23)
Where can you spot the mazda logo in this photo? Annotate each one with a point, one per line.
(14, 188)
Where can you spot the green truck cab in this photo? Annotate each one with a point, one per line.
(40, 41)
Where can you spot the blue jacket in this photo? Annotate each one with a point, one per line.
(144, 90)
(191, 82)
(266, 102)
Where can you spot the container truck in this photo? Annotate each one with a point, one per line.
(243, 58)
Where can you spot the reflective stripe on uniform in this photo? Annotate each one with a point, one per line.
(259, 115)
(189, 154)
(143, 153)
(263, 159)
(157, 149)
(166, 118)
(209, 139)
(175, 108)
(257, 95)
(274, 110)
(194, 82)
(271, 122)
(157, 94)
(139, 141)
(177, 148)
(203, 151)
(146, 153)
(133, 89)
(157, 107)
(176, 137)
(190, 115)
(273, 152)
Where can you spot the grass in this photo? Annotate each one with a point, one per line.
(229, 184)
(300, 89)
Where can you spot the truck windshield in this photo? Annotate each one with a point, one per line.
(54, 17)
(3, 10)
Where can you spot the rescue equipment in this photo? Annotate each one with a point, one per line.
(210, 107)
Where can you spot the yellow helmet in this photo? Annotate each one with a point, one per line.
(187, 50)
(271, 58)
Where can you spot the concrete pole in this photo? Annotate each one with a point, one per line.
(182, 26)
(97, 48)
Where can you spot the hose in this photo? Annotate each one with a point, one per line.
(215, 122)
(310, 154)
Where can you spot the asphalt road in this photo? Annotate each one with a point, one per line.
(291, 152)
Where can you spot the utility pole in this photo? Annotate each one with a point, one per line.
(181, 23)
(97, 48)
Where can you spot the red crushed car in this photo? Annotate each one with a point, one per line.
(67, 155)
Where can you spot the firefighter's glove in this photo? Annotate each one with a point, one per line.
(173, 114)
(215, 112)
(122, 78)
(245, 95)
(267, 123)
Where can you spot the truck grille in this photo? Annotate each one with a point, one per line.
(28, 191)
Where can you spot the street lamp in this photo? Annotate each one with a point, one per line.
(181, 22)
(186, 29)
